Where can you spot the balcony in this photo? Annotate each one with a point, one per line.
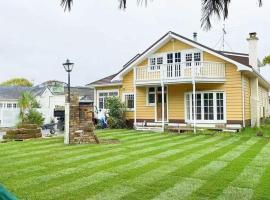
(181, 72)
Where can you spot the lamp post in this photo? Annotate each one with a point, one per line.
(68, 67)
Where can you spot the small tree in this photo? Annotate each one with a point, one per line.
(17, 82)
(116, 111)
(27, 103)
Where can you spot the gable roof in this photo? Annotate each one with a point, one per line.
(171, 35)
(241, 60)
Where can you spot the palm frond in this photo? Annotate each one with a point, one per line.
(122, 4)
(215, 8)
(66, 4)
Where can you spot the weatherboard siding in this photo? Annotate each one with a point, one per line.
(176, 111)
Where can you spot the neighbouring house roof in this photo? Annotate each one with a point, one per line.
(238, 57)
(12, 92)
(104, 81)
(37, 90)
(86, 94)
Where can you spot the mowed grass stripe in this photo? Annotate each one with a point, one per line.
(48, 145)
(71, 155)
(262, 190)
(166, 177)
(30, 143)
(197, 179)
(104, 160)
(249, 178)
(215, 186)
(87, 166)
(122, 168)
(138, 139)
(145, 170)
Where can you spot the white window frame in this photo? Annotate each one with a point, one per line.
(124, 100)
(202, 107)
(147, 96)
(104, 91)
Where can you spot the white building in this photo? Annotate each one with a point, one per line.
(50, 96)
(9, 110)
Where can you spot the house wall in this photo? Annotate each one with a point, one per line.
(9, 117)
(48, 102)
(263, 101)
(176, 111)
(232, 87)
(247, 93)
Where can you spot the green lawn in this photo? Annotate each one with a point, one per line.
(142, 166)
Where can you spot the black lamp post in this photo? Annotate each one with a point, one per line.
(68, 67)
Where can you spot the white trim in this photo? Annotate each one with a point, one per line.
(167, 120)
(147, 96)
(105, 91)
(190, 121)
(243, 99)
(135, 96)
(104, 85)
(166, 39)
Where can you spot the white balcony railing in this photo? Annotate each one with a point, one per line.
(181, 71)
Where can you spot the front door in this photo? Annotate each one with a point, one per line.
(159, 107)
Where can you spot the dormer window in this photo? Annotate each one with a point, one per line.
(177, 57)
(189, 57)
(197, 57)
(169, 58)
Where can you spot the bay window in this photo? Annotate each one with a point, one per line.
(210, 107)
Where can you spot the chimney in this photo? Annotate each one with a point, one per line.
(253, 50)
(195, 36)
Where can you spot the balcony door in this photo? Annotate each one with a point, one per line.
(159, 104)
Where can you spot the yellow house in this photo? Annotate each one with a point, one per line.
(180, 82)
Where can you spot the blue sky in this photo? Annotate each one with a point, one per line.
(36, 36)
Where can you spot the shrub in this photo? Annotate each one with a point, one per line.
(35, 117)
(116, 111)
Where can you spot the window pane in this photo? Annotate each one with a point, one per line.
(151, 89)
(151, 98)
(170, 58)
(129, 100)
(208, 106)
(220, 106)
(197, 56)
(188, 57)
(178, 57)
(160, 60)
(152, 61)
(101, 103)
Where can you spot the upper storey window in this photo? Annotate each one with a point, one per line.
(177, 58)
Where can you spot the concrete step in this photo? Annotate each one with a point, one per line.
(148, 128)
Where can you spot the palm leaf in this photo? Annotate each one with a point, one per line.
(66, 4)
(210, 9)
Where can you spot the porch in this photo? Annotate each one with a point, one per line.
(180, 107)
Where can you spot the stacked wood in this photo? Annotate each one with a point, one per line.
(24, 131)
